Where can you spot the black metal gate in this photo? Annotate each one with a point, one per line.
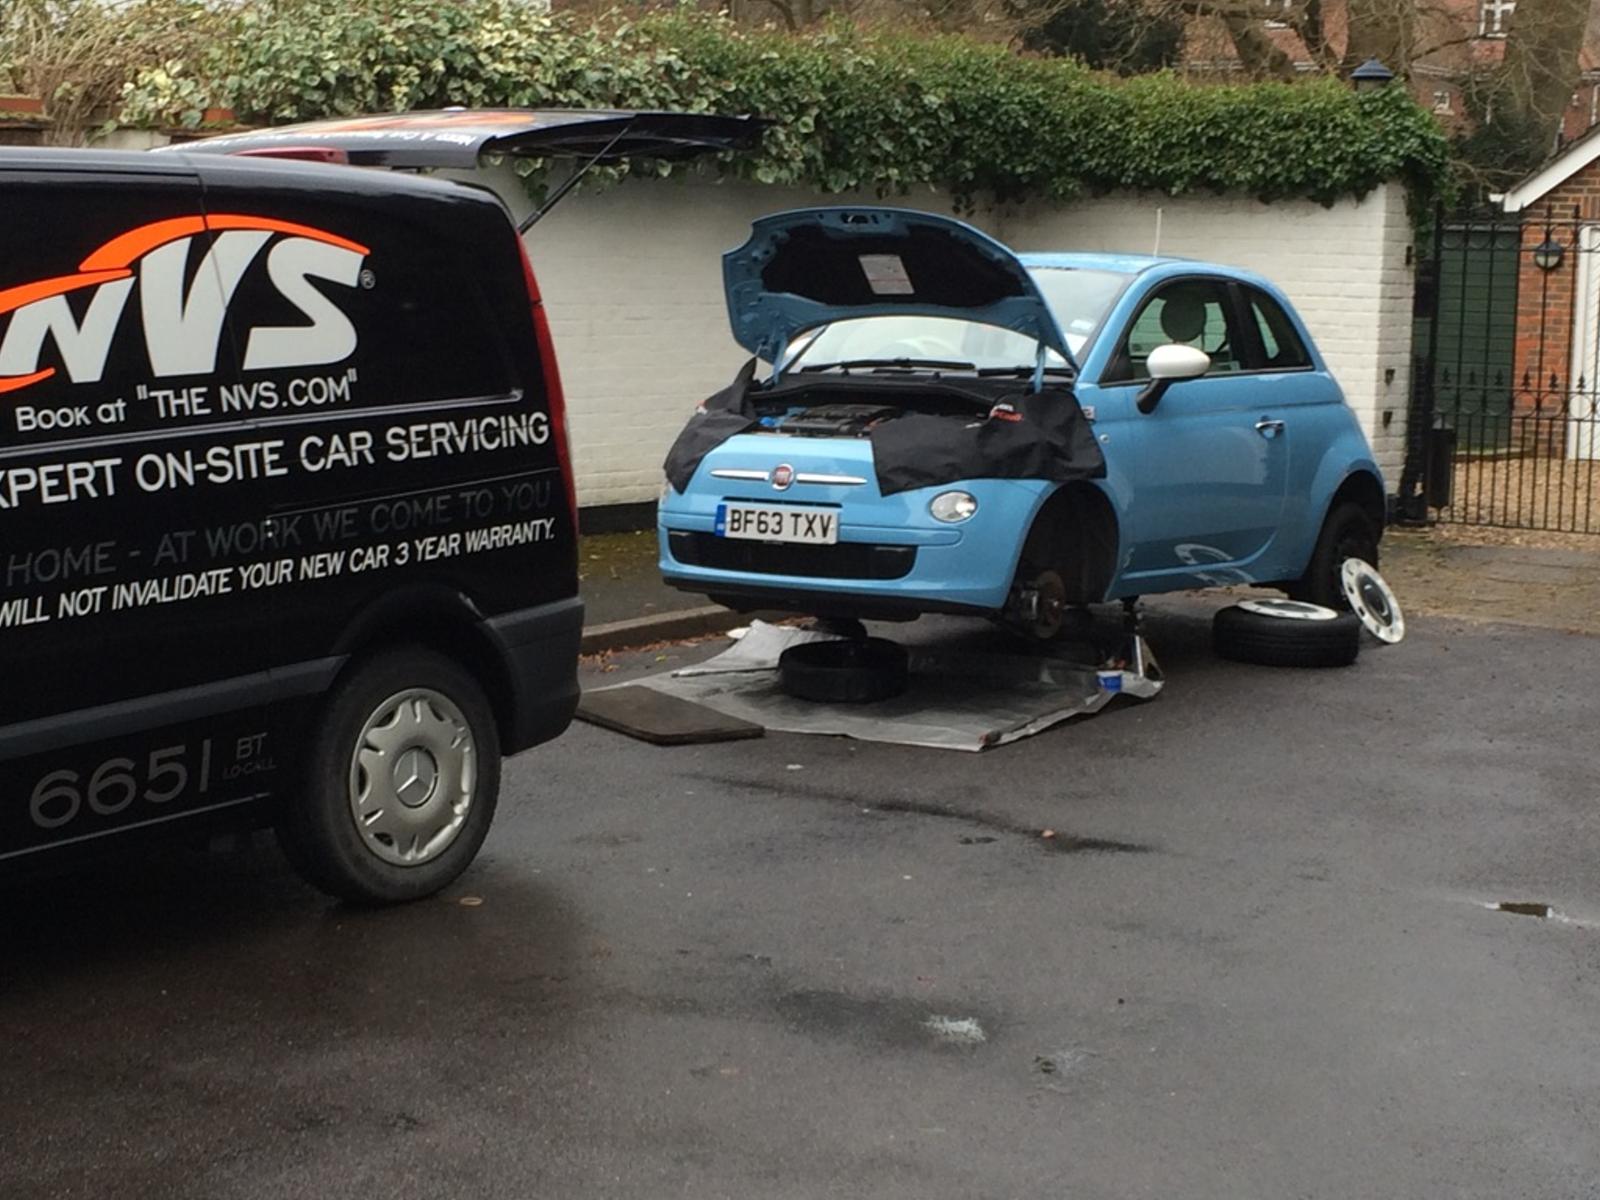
(1503, 425)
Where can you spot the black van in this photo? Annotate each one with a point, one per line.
(287, 525)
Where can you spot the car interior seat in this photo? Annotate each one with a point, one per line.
(1183, 317)
(1186, 318)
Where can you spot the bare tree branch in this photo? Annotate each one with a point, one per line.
(1541, 64)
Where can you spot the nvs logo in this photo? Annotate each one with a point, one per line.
(183, 329)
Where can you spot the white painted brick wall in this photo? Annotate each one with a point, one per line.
(632, 280)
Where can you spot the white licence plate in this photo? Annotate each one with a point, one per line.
(778, 523)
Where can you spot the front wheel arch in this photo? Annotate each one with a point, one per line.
(1076, 534)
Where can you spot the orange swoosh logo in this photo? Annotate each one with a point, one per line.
(121, 252)
(115, 260)
(18, 382)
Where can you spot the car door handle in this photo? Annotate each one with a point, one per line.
(1269, 428)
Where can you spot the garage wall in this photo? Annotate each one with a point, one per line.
(632, 279)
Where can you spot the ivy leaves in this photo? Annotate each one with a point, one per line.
(876, 110)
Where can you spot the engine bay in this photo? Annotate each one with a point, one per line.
(828, 410)
(829, 420)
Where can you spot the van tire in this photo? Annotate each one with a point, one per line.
(420, 713)
(1246, 636)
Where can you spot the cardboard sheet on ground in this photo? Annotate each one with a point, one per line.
(957, 699)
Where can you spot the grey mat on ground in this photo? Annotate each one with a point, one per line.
(659, 717)
(958, 699)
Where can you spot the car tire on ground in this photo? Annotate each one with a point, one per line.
(846, 671)
(401, 781)
(1328, 640)
(1347, 533)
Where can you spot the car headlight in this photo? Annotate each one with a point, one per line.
(952, 507)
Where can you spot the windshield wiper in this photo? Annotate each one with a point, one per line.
(905, 364)
(992, 372)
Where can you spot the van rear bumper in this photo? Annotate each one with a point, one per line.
(539, 647)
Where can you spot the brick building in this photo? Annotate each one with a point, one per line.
(1558, 285)
(1456, 39)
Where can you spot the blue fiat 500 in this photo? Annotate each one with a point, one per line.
(947, 426)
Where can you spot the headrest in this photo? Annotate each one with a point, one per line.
(1183, 315)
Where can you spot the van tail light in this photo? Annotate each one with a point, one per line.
(552, 383)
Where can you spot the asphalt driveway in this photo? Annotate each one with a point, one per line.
(1253, 960)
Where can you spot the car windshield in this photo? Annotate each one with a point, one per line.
(1078, 298)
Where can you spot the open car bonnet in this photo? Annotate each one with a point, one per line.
(810, 267)
(457, 138)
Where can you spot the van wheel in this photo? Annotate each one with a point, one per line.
(1347, 533)
(400, 783)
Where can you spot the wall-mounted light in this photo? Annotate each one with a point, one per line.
(1547, 255)
(1371, 76)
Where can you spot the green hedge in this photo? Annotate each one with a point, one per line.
(879, 110)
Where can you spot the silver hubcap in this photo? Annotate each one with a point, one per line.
(412, 777)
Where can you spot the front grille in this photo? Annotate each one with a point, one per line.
(843, 560)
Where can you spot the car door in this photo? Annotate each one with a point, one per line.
(1209, 466)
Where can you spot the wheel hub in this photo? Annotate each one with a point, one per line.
(413, 777)
(1042, 605)
(416, 777)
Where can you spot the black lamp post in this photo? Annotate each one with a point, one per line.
(1371, 76)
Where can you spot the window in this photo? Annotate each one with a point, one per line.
(1441, 101)
(1494, 16)
(1193, 312)
(1079, 300)
(1278, 13)
(1280, 342)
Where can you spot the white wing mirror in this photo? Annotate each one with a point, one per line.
(1176, 361)
(1168, 365)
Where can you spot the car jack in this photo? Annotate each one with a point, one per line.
(1135, 657)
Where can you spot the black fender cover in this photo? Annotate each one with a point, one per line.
(721, 417)
(1024, 435)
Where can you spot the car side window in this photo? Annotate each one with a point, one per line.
(1280, 341)
(1191, 312)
